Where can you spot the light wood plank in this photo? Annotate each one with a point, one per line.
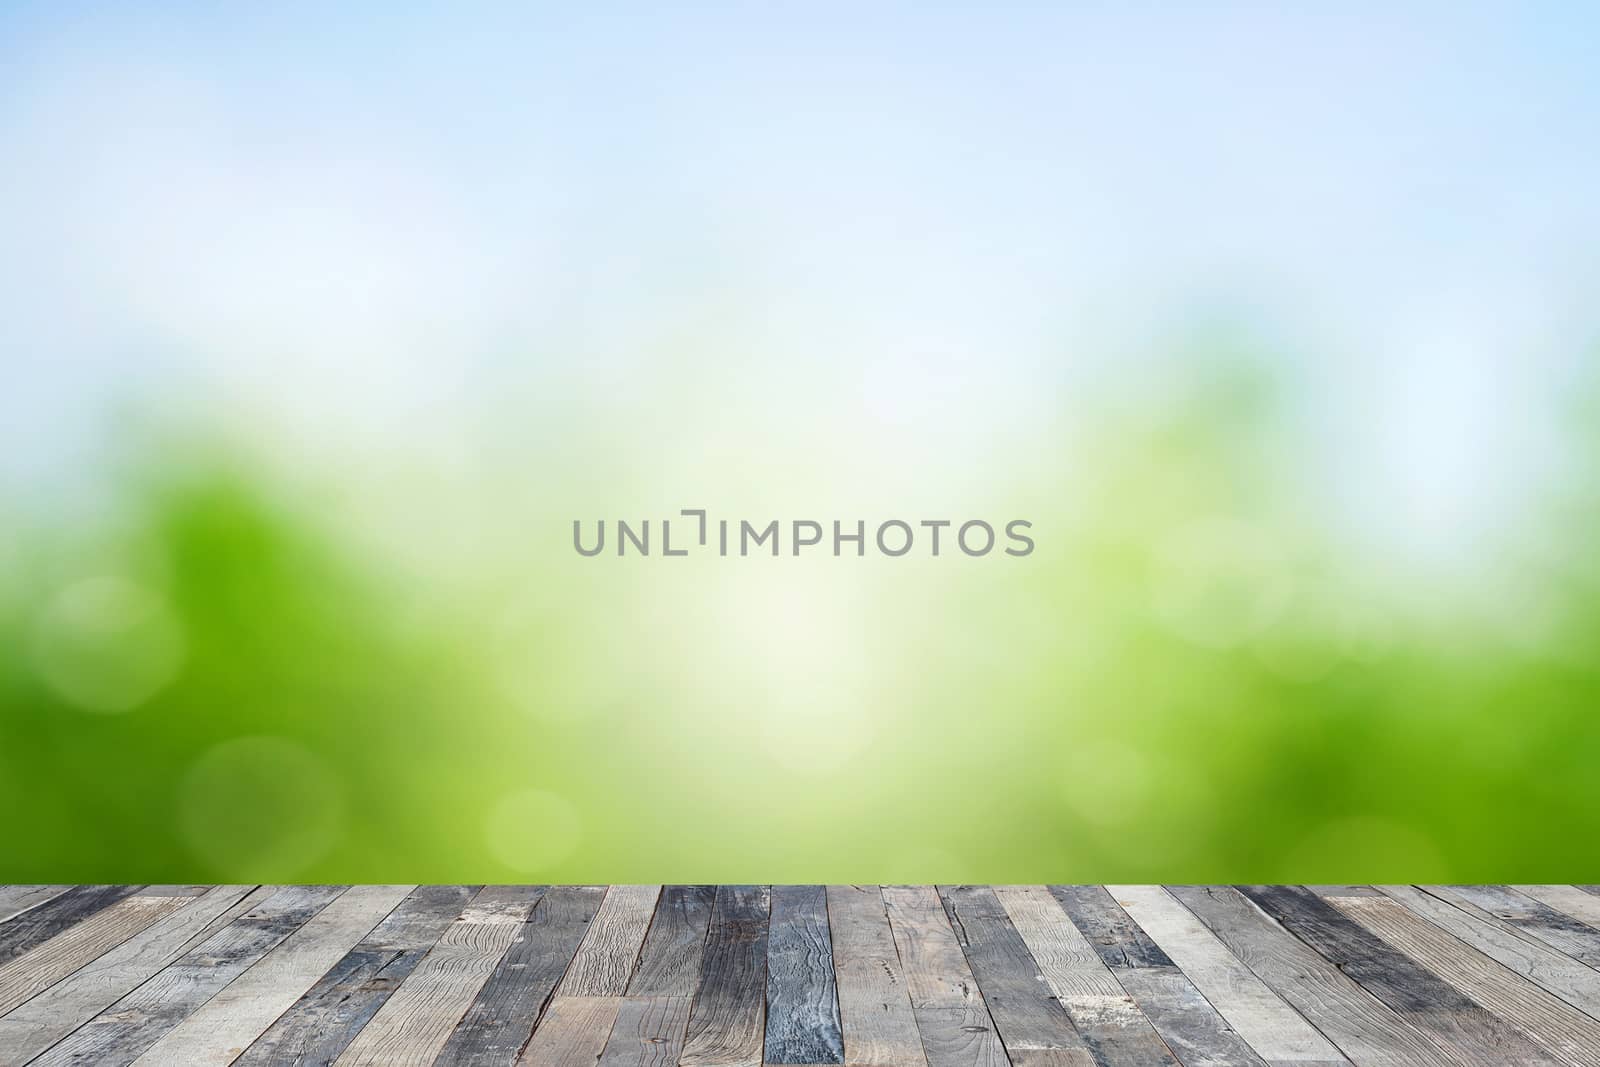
(221, 1029)
(45, 920)
(950, 1012)
(1528, 917)
(1277, 1032)
(874, 1008)
(648, 1032)
(44, 965)
(16, 899)
(610, 950)
(1568, 899)
(573, 1032)
(415, 1022)
(1561, 1028)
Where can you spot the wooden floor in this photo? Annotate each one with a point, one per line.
(897, 976)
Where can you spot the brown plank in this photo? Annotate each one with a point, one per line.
(950, 1012)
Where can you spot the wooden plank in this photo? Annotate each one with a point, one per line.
(412, 1026)
(45, 964)
(727, 1021)
(120, 1033)
(875, 1013)
(1568, 899)
(1186, 1021)
(53, 1014)
(1344, 891)
(669, 963)
(221, 1029)
(16, 899)
(950, 1012)
(610, 950)
(496, 1026)
(802, 1003)
(45, 920)
(1455, 1023)
(1115, 1030)
(648, 1032)
(1276, 1032)
(1366, 1030)
(1529, 917)
(573, 1032)
(323, 1022)
(1024, 1011)
(1567, 1032)
(1568, 979)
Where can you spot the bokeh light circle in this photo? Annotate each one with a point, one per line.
(531, 830)
(107, 644)
(262, 808)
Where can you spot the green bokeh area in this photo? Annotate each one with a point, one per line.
(222, 674)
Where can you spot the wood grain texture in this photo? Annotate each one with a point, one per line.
(1529, 917)
(727, 1021)
(502, 1016)
(1191, 1028)
(124, 1030)
(412, 1026)
(1565, 1031)
(323, 1022)
(1568, 899)
(648, 1032)
(1115, 1030)
(875, 1013)
(219, 1031)
(669, 962)
(1470, 1034)
(573, 1032)
(610, 950)
(45, 920)
(16, 899)
(802, 1004)
(1276, 1032)
(1366, 1030)
(951, 1016)
(42, 966)
(50, 1016)
(1024, 1010)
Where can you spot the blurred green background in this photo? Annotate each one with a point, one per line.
(324, 328)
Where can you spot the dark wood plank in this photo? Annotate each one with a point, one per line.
(45, 920)
(1457, 1024)
(727, 1022)
(1365, 1029)
(951, 1016)
(669, 963)
(1024, 1011)
(122, 1032)
(802, 1001)
(16, 899)
(326, 1019)
(501, 1019)
(1189, 1025)
(1530, 918)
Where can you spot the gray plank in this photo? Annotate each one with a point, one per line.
(45, 964)
(573, 1032)
(875, 1016)
(1469, 1033)
(16, 899)
(319, 1026)
(502, 1016)
(727, 1022)
(1529, 917)
(1116, 937)
(1025, 1012)
(648, 1032)
(802, 1003)
(1568, 899)
(1366, 1030)
(669, 963)
(48, 918)
(119, 1034)
(951, 1016)
(606, 959)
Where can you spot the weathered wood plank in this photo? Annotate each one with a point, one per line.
(1024, 1011)
(323, 1022)
(45, 964)
(802, 1005)
(1115, 1030)
(727, 1021)
(1455, 1023)
(875, 1014)
(1276, 1032)
(412, 1026)
(502, 1016)
(47, 919)
(16, 899)
(1529, 917)
(1365, 1029)
(1186, 1021)
(119, 1034)
(950, 1012)
(1568, 899)
(51, 1015)
(669, 963)
(1567, 1032)
(610, 950)
(573, 1032)
(1562, 975)
(648, 1032)
(220, 1030)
